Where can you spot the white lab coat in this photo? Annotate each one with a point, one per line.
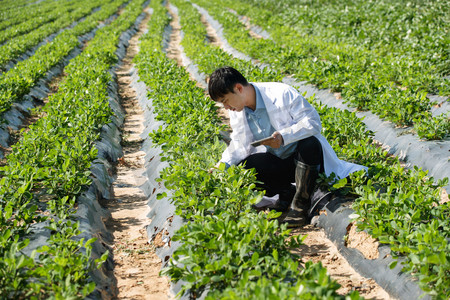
(292, 116)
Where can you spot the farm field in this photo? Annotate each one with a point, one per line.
(107, 135)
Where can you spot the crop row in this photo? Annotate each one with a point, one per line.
(18, 16)
(9, 5)
(393, 87)
(49, 168)
(403, 30)
(398, 207)
(226, 248)
(17, 82)
(31, 23)
(20, 44)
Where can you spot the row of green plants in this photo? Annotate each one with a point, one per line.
(203, 53)
(228, 251)
(394, 87)
(9, 4)
(17, 16)
(17, 82)
(415, 30)
(49, 168)
(411, 36)
(15, 47)
(31, 23)
(398, 207)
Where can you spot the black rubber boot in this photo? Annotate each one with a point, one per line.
(285, 200)
(305, 181)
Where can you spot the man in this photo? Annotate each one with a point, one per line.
(296, 151)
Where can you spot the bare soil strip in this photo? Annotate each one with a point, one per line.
(136, 264)
(214, 40)
(317, 247)
(362, 241)
(173, 51)
(211, 33)
(246, 21)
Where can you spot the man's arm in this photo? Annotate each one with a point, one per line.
(302, 119)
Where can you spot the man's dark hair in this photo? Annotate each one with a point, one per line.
(223, 80)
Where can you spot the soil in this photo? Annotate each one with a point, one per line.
(246, 21)
(362, 241)
(212, 37)
(444, 197)
(174, 51)
(318, 248)
(136, 264)
(211, 34)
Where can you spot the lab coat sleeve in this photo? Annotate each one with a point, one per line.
(239, 147)
(301, 121)
(235, 152)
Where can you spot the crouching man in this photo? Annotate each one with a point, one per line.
(295, 151)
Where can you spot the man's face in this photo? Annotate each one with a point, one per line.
(233, 101)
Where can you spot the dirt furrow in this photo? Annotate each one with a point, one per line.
(175, 52)
(318, 248)
(136, 266)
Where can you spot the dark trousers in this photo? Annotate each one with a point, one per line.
(277, 174)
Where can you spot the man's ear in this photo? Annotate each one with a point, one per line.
(238, 87)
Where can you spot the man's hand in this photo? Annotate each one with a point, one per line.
(219, 166)
(214, 168)
(275, 142)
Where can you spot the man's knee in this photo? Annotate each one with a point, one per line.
(309, 151)
(271, 170)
